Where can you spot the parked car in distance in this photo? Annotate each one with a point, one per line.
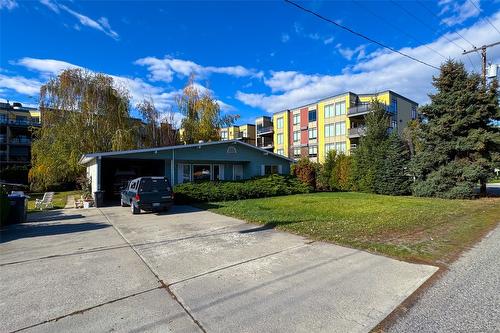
(148, 194)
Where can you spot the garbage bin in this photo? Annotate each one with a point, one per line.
(18, 209)
(99, 198)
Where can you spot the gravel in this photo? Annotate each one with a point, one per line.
(465, 299)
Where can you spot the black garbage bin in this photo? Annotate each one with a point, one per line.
(99, 198)
(18, 209)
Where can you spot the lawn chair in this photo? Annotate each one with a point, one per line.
(46, 201)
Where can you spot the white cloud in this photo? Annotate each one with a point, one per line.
(165, 69)
(20, 84)
(459, 12)
(46, 66)
(285, 38)
(348, 53)
(328, 40)
(101, 24)
(300, 31)
(51, 5)
(8, 4)
(378, 71)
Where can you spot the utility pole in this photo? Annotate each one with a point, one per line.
(483, 57)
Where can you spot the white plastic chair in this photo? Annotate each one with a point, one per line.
(45, 202)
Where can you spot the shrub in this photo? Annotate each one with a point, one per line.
(260, 187)
(306, 171)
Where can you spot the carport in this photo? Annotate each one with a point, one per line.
(216, 161)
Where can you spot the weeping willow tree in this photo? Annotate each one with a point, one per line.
(82, 112)
(202, 115)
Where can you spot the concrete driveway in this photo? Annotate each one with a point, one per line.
(189, 270)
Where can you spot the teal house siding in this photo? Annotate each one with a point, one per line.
(224, 160)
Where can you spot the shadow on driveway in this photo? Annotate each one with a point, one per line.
(18, 231)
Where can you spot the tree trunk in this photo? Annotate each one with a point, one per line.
(482, 188)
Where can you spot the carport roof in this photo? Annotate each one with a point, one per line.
(86, 158)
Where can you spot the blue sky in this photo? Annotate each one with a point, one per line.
(256, 57)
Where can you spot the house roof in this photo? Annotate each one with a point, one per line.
(86, 158)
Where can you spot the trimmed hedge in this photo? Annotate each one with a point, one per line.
(260, 187)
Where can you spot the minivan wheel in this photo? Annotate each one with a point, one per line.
(134, 209)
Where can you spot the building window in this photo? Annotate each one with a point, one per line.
(312, 115)
(394, 106)
(340, 147)
(413, 112)
(280, 151)
(313, 151)
(340, 128)
(339, 108)
(270, 169)
(279, 123)
(313, 133)
(296, 118)
(223, 135)
(329, 130)
(296, 136)
(201, 172)
(237, 172)
(329, 110)
(279, 138)
(296, 152)
(328, 147)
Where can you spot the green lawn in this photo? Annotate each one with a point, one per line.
(414, 229)
(59, 201)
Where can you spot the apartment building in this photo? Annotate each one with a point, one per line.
(245, 133)
(264, 132)
(335, 122)
(16, 124)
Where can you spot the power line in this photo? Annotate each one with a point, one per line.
(420, 2)
(426, 25)
(359, 34)
(437, 16)
(398, 28)
(486, 18)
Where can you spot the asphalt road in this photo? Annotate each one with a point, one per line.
(465, 299)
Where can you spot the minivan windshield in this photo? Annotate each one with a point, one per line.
(154, 185)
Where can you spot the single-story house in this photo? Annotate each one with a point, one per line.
(221, 160)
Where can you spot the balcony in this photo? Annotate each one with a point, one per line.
(362, 109)
(265, 130)
(14, 122)
(357, 132)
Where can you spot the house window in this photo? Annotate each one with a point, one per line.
(313, 151)
(313, 133)
(329, 130)
(340, 108)
(279, 138)
(201, 172)
(270, 169)
(217, 174)
(296, 152)
(186, 173)
(312, 115)
(237, 172)
(280, 151)
(279, 123)
(223, 135)
(296, 118)
(328, 147)
(296, 136)
(413, 112)
(329, 110)
(340, 128)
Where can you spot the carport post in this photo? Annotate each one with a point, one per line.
(99, 173)
(172, 166)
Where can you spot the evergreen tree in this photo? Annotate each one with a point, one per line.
(368, 156)
(393, 178)
(326, 171)
(459, 142)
